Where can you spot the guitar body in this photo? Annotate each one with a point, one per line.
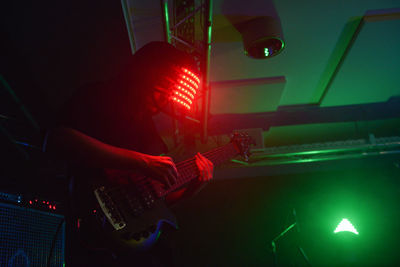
(128, 216)
(128, 210)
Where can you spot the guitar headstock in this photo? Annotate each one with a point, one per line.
(242, 142)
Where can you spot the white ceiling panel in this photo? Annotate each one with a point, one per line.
(371, 71)
(311, 29)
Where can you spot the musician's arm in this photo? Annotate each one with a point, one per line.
(70, 144)
(73, 145)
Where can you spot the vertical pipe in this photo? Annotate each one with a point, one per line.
(128, 20)
(206, 65)
(165, 12)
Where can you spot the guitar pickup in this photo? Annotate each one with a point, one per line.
(109, 208)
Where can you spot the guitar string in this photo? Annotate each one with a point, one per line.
(146, 184)
(189, 165)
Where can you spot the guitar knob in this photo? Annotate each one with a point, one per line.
(136, 236)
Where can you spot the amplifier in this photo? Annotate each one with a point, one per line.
(30, 237)
(31, 201)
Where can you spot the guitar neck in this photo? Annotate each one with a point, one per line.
(188, 169)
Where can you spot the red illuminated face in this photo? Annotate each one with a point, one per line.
(185, 88)
(180, 90)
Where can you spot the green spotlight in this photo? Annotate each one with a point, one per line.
(345, 226)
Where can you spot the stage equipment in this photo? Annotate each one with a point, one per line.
(30, 237)
(259, 24)
(295, 224)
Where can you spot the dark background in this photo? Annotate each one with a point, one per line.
(49, 49)
(232, 222)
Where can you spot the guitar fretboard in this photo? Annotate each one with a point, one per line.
(188, 169)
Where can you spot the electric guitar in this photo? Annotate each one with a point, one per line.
(131, 215)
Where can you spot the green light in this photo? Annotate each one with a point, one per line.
(266, 52)
(166, 14)
(345, 226)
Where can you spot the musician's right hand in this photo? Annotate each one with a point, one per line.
(162, 169)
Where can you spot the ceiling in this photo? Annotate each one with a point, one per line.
(331, 82)
(314, 31)
(316, 35)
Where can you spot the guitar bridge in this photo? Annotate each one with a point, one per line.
(109, 208)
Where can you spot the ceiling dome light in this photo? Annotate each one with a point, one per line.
(259, 25)
(262, 37)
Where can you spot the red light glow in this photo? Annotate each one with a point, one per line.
(191, 74)
(190, 81)
(184, 97)
(186, 89)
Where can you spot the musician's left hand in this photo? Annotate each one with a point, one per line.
(205, 167)
(205, 170)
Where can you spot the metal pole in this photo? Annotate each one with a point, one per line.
(186, 18)
(128, 21)
(165, 12)
(206, 65)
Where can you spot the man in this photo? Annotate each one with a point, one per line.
(109, 126)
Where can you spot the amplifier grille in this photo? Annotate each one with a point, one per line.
(26, 237)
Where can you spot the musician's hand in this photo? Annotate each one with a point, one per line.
(206, 170)
(205, 167)
(162, 169)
